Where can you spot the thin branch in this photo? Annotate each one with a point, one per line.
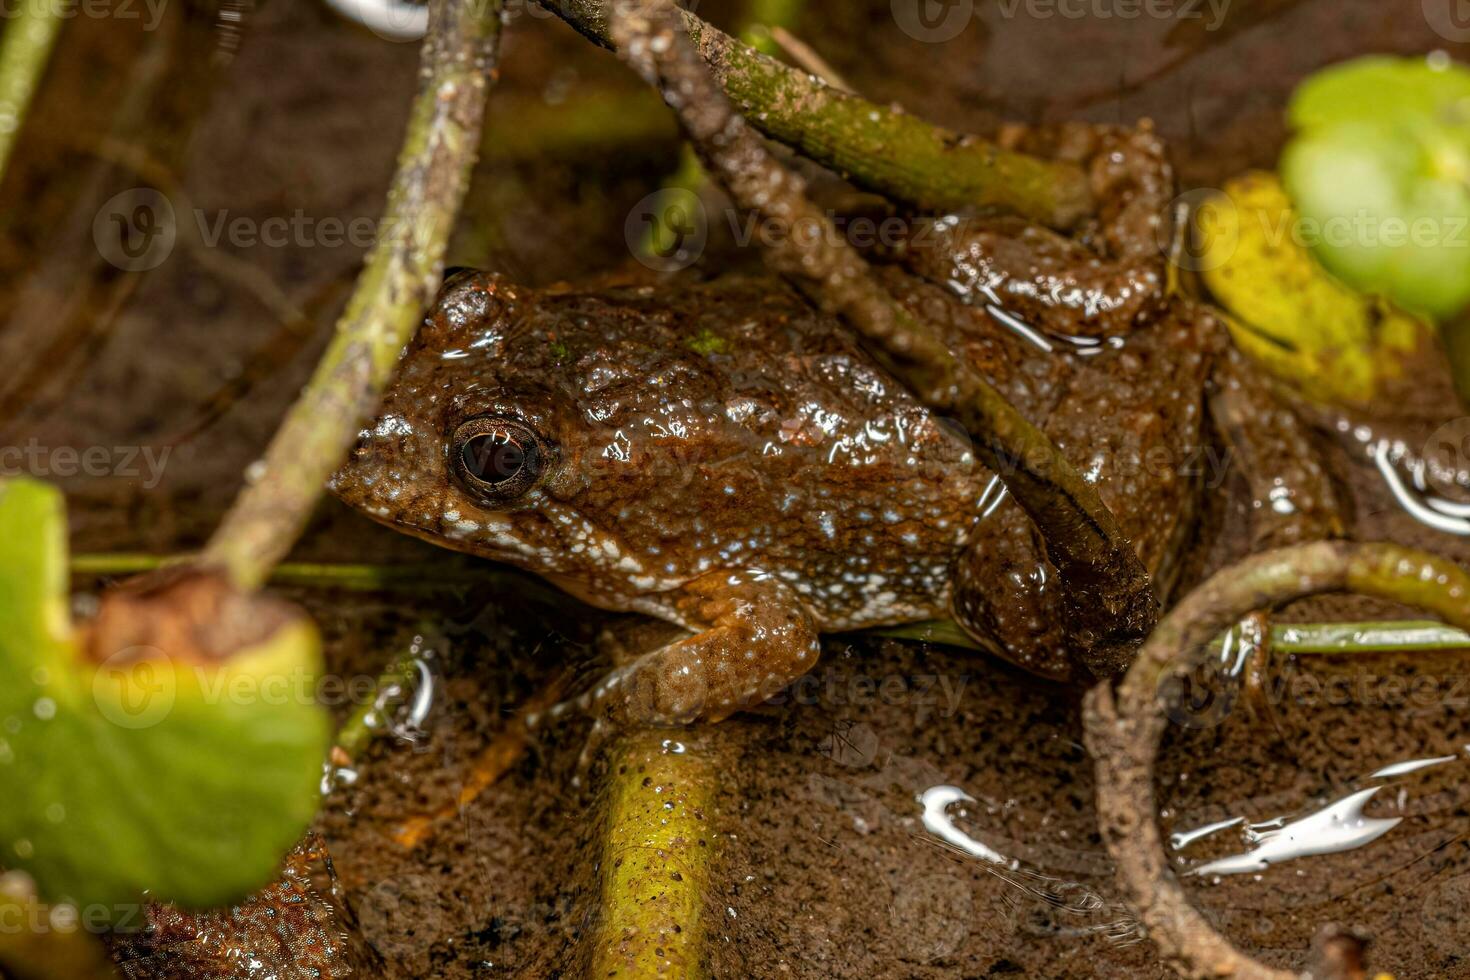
(401, 275)
(876, 146)
(1106, 590)
(1124, 728)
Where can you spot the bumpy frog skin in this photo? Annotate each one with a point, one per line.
(729, 459)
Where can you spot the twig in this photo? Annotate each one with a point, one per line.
(1105, 587)
(656, 854)
(25, 50)
(1124, 728)
(400, 277)
(883, 149)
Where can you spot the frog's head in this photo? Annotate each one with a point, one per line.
(470, 441)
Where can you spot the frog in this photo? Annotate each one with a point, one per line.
(721, 454)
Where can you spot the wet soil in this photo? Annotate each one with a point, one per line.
(826, 869)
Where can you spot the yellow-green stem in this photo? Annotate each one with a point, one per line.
(655, 862)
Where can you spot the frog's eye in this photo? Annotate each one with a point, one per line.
(496, 457)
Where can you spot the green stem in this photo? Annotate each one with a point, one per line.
(1400, 636)
(876, 146)
(530, 130)
(656, 854)
(365, 724)
(25, 49)
(663, 237)
(401, 276)
(357, 577)
(762, 15)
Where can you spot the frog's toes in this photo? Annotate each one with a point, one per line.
(759, 639)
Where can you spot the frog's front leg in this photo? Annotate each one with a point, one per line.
(755, 637)
(1292, 497)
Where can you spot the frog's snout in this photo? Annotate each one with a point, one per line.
(382, 466)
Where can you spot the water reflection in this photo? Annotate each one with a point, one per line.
(1084, 911)
(1337, 827)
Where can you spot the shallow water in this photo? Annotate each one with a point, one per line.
(832, 865)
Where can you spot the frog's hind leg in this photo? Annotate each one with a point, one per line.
(758, 637)
(1005, 594)
(1292, 496)
(1105, 280)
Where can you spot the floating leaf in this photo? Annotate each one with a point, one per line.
(147, 752)
(1379, 171)
(1294, 318)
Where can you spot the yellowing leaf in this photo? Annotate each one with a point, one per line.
(154, 769)
(1288, 313)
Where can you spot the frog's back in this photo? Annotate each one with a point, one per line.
(731, 425)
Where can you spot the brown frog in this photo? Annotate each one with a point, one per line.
(725, 457)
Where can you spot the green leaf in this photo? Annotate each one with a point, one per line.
(151, 771)
(1379, 171)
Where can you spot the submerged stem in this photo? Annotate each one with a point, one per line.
(1391, 636)
(657, 849)
(400, 277)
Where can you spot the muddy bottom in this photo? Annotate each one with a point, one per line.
(828, 868)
